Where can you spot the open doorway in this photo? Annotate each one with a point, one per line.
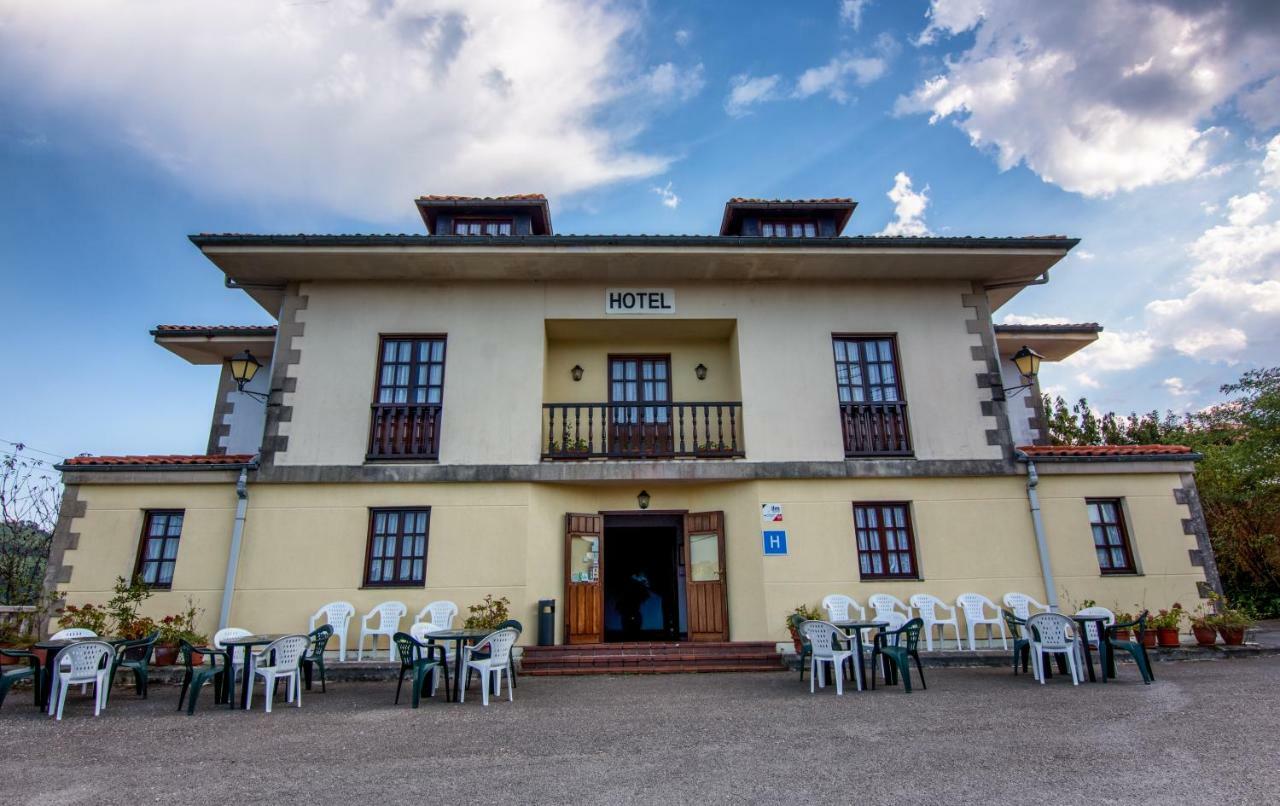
(643, 578)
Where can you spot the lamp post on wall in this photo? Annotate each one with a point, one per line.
(1028, 363)
(243, 369)
(643, 499)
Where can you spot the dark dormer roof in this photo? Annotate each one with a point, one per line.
(738, 208)
(533, 204)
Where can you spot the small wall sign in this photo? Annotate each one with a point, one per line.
(775, 542)
(771, 513)
(639, 300)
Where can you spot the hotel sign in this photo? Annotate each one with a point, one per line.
(639, 300)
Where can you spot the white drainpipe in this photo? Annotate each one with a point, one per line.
(233, 556)
(1037, 524)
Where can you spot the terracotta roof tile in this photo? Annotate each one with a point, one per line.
(266, 329)
(1069, 451)
(166, 460)
(1050, 327)
(513, 197)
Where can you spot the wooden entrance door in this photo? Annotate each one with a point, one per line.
(705, 585)
(583, 579)
(640, 405)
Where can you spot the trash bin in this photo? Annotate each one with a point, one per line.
(546, 622)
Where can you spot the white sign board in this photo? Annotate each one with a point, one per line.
(639, 300)
(771, 513)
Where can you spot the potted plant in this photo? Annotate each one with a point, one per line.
(1231, 623)
(1165, 623)
(1202, 627)
(11, 637)
(1123, 617)
(179, 627)
(488, 614)
(808, 614)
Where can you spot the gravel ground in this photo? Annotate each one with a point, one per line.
(1204, 732)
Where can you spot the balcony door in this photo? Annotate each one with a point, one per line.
(640, 405)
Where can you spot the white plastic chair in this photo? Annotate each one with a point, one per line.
(974, 606)
(337, 615)
(238, 660)
(825, 637)
(930, 609)
(388, 615)
(1091, 627)
(883, 604)
(438, 614)
(1020, 605)
(1057, 636)
(286, 662)
(73, 632)
(839, 608)
(492, 667)
(84, 663)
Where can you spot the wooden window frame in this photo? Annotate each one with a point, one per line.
(788, 223)
(483, 222)
(141, 561)
(383, 338)
(397, 556)
(883, 552)
(1126, 545)
(892, 338)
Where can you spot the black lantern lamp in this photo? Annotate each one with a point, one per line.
(643, 499)
(243, 369)
(1028, 363)
(700, 371)
(576, 372)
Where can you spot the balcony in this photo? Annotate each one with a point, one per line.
(875, 429)
(642, 431)
(405, 431)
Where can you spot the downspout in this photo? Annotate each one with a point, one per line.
(233, 555)
(1037, 525)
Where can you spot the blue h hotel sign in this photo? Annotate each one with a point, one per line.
(640, 300)
(775, 542)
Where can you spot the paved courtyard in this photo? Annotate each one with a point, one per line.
(1205, 732)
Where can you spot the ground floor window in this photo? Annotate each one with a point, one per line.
(158, 549)
(397, 552)
(886, 545)
(1110, 537)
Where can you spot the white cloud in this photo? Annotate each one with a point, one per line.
(851, 12)
(668, 81)
(1096, 97)
(830, 77)
(1244, 210)
(669, 197)
(1176, 387)
(1088, 381)
(1018, 319)
(1084, 254)
(1271, 165)
(746, 91)
(682, 37)
(1261, 105)
(908, 208)
(350, 105)
(1115, 350)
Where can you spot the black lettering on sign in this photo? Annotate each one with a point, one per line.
(640, 300)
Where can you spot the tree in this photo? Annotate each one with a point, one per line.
(30, 497)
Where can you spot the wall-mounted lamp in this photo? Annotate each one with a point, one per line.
(576, 372)
(1028, 363)
(643, 499)
(243, 368)
(701, 372)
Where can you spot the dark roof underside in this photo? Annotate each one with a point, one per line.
(1052, 242)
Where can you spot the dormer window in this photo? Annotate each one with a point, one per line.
(482, 226)
(799, 228)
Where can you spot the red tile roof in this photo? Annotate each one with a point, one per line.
(514, 197)
(216, 329)
(1084, 326)
(744, 200)
(1070, 451)
(166, 460)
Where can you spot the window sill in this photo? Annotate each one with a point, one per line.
(890, 579)
(394, 586)
(1109, 574)
(402, 460)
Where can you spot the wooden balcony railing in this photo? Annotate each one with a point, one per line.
(642, 431)
(405, 431)
(875, 429)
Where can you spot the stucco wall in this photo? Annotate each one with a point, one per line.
(304, 545)
(495, 373)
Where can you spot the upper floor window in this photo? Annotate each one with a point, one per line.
(789, 229)
(397, 550)
(411, 370)
(867, 370)
(482, 226)
(886, 547)
(1110, 537)
(158, 550)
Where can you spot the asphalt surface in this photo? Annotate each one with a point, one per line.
(1205, 732)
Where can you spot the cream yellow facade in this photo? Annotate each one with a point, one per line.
(516, 318)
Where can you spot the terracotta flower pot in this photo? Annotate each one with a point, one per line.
(795, 639)
(5, 660)
(1149, 639)
(1205, 636)
(1232, 636)
(165, 655)
(1168, 636)
(1122, 635)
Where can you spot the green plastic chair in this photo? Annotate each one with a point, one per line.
(806, 648)
(9, 675)
(1021, 646)
(412, 660)
(314, 656)
(890, 644)
(1135, 647)
(195, 676)
(134, 656)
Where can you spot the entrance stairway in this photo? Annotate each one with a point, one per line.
(652, 658)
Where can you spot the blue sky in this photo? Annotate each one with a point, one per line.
(1148, 128)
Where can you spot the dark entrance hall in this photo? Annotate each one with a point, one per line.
(642, 578)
